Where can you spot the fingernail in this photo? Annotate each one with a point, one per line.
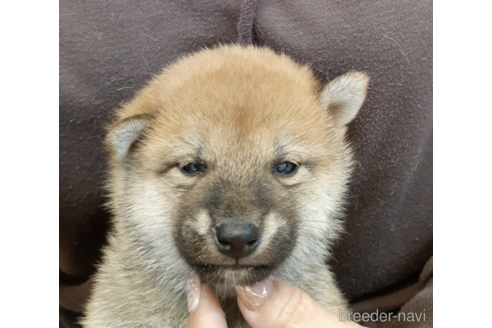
(193, 291)
(255, 296)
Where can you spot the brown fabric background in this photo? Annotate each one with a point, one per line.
(108, 50)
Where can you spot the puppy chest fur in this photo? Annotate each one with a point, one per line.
(232, 163)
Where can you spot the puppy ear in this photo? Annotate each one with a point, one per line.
(343, 96)
(123, 134)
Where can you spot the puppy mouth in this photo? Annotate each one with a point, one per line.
(237, 267)
(233, 275)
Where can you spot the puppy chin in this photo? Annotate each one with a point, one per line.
(223, 279)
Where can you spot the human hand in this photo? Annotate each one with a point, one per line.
(270, 303)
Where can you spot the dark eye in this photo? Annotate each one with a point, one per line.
(285, 169)
(193, 168)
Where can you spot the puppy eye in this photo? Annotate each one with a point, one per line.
(193, 168)
(285, 169)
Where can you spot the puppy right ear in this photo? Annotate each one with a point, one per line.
(123, 134)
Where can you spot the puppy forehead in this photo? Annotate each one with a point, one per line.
(245, 131)
(246, 111)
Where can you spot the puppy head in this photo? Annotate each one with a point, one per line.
(235, 159)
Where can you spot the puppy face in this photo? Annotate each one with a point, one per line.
(233, 160)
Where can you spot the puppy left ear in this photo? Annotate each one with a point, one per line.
(343, 97)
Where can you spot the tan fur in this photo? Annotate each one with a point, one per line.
(239, 107)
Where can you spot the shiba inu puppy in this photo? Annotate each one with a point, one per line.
(231, 163)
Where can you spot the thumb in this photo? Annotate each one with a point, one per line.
(274, 304)
(204, 307)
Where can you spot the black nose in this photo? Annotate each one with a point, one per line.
(237, 239)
